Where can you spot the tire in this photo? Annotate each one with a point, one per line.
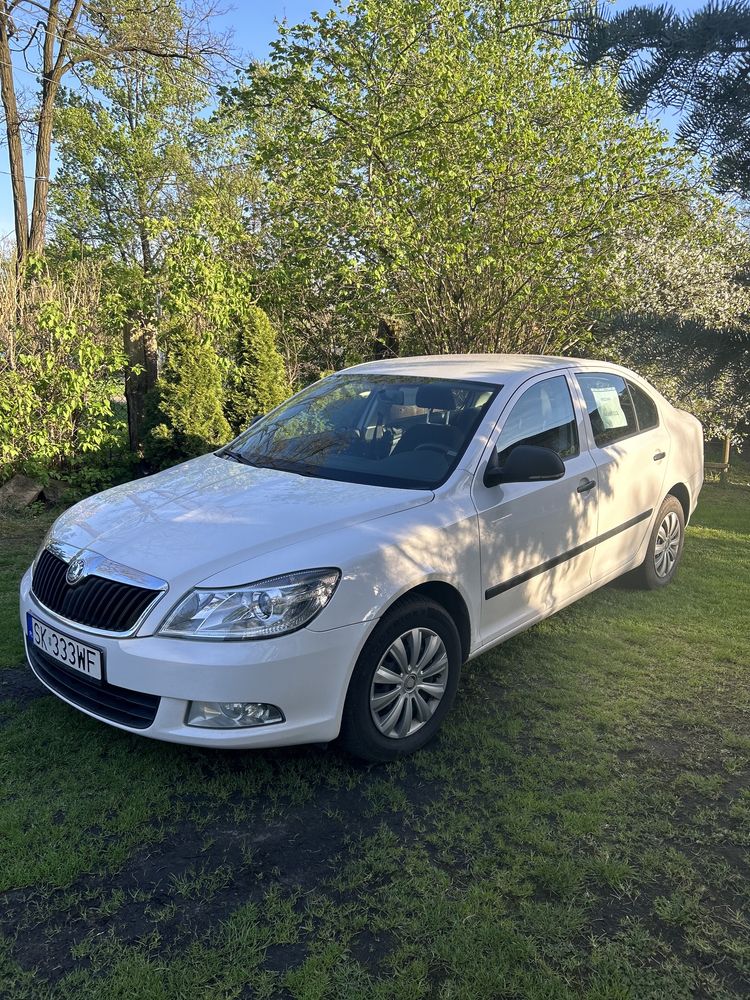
(664, 547)
(406, 651)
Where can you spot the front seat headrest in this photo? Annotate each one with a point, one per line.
(435, 397)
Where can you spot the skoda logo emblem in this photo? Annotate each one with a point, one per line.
(76, 570)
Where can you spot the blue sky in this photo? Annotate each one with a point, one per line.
(254, 27)
(254, 24)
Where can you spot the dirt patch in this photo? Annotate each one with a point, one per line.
(200, 874)
(18, 688)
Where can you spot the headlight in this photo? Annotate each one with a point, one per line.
(257, 611)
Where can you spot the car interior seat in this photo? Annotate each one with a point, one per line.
(440, 436)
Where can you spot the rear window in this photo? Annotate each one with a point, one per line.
(645, 408)
(609, 406)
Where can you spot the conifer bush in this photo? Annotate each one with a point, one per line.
(187, 412)
(258, 380)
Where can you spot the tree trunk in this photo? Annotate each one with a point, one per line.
(141, 350)
(13, 137)
(37, 236)
(55, 48)
(386, 342)
(52, 68)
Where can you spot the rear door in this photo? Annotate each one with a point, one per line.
(536, 539)
(630, 446)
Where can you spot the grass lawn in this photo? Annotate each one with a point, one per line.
(580, 828)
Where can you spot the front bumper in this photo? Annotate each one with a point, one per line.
(306, 674)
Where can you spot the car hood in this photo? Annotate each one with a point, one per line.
(190, 522)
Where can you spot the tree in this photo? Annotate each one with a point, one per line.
(126, 166)
(131, 147)
(220, 348)
(687, 329)
(696, 367)
(696, 63)
(57, 38)
(136, 151)
(691, 333)
(446, 167)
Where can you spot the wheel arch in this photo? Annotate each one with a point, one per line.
(680, 492)
(451, 600)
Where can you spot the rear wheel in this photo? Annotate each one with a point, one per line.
(664, 547)
(404, 682)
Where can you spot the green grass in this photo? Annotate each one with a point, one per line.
(580, 829)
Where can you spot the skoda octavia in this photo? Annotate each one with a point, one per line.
(329, 571)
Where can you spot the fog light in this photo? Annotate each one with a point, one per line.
(232, 714)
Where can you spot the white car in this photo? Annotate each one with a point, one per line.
(328, 572)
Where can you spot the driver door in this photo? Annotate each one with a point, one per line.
(536, 539)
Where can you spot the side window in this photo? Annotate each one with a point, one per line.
(645, 408)
(609, 406)
(543, 416)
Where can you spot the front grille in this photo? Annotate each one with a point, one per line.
(129, 708)
(95, 601)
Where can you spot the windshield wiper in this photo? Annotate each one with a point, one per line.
(261, 462)
(235, 456)
(266, 462)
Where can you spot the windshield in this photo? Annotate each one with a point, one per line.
(385, 430)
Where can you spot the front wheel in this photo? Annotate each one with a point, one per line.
(404, 682)
(664, 547)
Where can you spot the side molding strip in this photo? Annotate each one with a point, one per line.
(500, 588)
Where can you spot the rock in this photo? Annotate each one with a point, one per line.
(20, 491)
(56, 491)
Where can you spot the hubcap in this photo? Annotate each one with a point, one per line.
(409, 682)
(667, 545)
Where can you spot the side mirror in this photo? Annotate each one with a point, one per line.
(527, 463)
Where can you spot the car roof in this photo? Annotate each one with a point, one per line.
(503, 369)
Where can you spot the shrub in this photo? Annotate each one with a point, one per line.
(56, 392)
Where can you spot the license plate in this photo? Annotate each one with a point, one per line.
(70, 652)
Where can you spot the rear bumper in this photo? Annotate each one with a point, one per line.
(305, 674)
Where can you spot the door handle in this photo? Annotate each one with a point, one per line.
(659, 456)
(585, 485)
